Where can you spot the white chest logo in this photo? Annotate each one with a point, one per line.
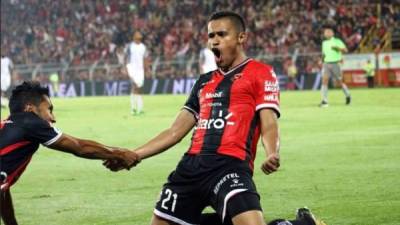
(216, 123)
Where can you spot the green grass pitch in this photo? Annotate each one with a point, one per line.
(343, 162)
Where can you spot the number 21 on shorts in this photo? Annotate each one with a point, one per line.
(169, 200)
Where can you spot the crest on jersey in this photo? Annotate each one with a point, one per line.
(237, 76)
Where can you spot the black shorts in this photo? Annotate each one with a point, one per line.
(205, 180)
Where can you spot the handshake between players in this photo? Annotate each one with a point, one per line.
(124, 159)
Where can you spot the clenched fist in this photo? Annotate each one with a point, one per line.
(271, 164)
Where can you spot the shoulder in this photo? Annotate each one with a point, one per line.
(261, 68)
(339, 40)
(28, 120)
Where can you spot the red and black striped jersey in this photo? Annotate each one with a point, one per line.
(226, 105)
(20, 136)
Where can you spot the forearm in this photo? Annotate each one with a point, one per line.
(160, 143)
(84, 148)
(270, 138)
(271, 141)
(93, 150)
(7, 209)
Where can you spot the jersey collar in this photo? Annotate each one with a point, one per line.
(234, 68)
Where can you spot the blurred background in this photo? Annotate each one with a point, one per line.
(81, 43)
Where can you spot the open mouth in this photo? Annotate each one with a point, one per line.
(217, 54)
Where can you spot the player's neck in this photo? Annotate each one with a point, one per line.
(239, 59)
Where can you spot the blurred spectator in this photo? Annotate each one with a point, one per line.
(79, 32)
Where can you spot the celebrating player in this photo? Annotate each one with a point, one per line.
(229, 108)
(332, 49)
(136, 56)
(30, 124)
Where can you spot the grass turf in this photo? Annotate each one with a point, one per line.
(343, 162)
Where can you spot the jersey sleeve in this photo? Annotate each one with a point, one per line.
(192, 103)
(341, 43)
(40, 131)
(267, 93)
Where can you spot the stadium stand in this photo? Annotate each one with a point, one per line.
(77, 33)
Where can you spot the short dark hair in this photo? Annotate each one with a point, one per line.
(27, 92)
(329, 26)
(237, 20)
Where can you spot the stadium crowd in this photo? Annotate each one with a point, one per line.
(77, 32)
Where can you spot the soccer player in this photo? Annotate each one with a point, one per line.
(229, 108)
(30, 124)
(332, 50)
(6, 68)
(137, 63)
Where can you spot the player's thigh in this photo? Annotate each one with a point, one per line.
(337, 72)
(242, 203)
(326, 72)
(179, 204)
(138, 78)
(253, 217)
(233, 193)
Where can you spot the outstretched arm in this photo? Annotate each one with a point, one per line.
(270, 139)
(183, 123)
(93, 150)
(6, 208)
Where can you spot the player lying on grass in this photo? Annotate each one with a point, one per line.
(230, 108)
(30, 124)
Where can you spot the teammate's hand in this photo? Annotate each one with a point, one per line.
(271, 164)
(124, 159)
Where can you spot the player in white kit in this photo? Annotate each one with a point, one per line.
(207, 61)
(6, 67)
(136, 63)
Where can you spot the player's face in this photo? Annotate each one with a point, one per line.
(225, 41)
(44, 110)
(328, 33)
(137, 37)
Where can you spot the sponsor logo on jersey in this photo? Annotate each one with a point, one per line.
(271, 86)
(214, 95)
(215, 123)
(236, 183)
(272, 97)
(212, 104)
(229, 176)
